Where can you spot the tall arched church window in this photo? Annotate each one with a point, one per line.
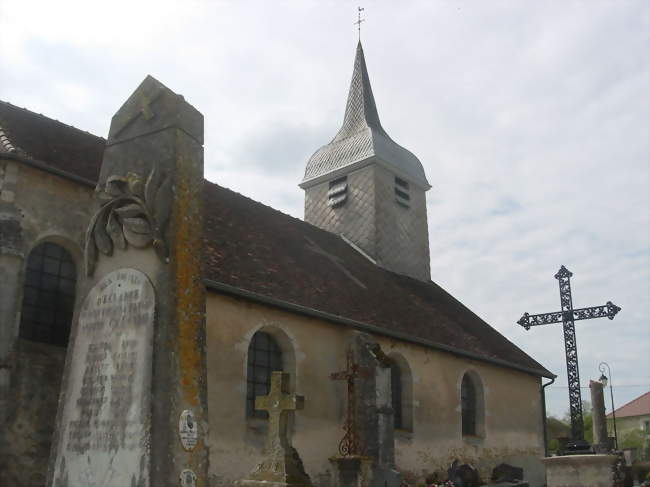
(396, 395)
(401, 388)
(468, 405)
(264, 357)
(48, 295)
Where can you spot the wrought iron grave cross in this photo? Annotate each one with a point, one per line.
(351, 444)
(278, 403)
(567, 316)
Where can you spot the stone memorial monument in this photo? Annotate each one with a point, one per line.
(367, 452)
(281, 466)
(133, 411)
(599, 420)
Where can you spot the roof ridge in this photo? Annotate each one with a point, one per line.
(50, 119)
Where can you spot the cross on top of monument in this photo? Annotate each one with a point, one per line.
(567, 316)
(153, 107)
(278, 403)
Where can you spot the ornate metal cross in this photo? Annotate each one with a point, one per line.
(567, 316)
(278, 403)
(351, 444)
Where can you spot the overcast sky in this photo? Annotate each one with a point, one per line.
(531, 119)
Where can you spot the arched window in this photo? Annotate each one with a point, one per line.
(48, 295)
(468, 405)
(401, 389)
(396, 394)
(264, 357)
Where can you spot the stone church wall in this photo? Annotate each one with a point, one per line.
(34, 390)
(36, 207)
(511, 430)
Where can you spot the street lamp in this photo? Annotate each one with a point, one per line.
(603, 380)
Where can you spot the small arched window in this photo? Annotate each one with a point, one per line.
(48, 295)
(264, 357)
(468, 405)
(401, 389)
(396, 394)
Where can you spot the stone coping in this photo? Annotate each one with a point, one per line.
(579, 459)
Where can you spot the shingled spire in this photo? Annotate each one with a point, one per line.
(368, 188)
(362, 137)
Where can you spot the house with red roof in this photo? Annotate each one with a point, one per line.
(633, 425)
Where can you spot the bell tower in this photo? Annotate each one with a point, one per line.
(367, 188)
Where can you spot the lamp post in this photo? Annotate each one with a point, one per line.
(603, 380)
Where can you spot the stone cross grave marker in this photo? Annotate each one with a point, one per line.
(277, 403)
(134, 395)
(281, 463)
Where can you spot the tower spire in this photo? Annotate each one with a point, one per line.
(362, 137)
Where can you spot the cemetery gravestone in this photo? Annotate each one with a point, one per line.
(281, 465)
(367, 452)
(110, 390)
(463, 475)
(377, 424)
(133, 398)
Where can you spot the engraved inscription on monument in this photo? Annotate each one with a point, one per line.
(105, 439)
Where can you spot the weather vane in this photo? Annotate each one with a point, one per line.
(359, 20)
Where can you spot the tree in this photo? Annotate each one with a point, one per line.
(556, 428)
(636, 439)
(561, 428)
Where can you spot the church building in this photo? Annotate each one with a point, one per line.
(350, 282)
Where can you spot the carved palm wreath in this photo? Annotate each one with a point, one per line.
(133, 212)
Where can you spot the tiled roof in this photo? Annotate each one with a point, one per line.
(362, 136)
(637, 407)
(253, 247)
(43, 139)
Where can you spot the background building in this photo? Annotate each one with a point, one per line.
(633, 426)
